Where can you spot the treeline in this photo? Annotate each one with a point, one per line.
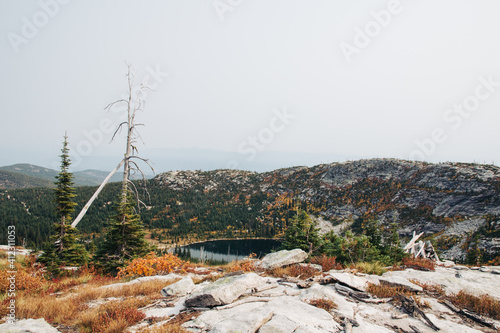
(171, 214)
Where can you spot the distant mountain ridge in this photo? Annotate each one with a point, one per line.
(12, 180)
(45, 177)
(456, 204)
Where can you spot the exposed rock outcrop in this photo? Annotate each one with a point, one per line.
(28, 326)
(283, 258)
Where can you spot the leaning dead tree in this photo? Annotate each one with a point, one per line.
(133, 103)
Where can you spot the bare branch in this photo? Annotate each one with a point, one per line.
(118, 130)
(110, 105)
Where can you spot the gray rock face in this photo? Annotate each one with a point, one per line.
(28, 326)
(280, 314)
(180, 288)
(224, 291)
(283, 258)
(358, 283)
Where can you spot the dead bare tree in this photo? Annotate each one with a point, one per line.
(134, 103)
(130, 166)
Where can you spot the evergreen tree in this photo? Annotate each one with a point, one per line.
(302, 234)
(63, 247)
(124, 239)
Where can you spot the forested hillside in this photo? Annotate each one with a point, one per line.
(455, 205)
(10, 180)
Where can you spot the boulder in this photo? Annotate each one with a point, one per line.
(398, 281)
(461, 268)
(224, 291)
(495, 271)
(352, 281)
(179, 288)
(448, 263)
(28, 326)
(283, 258)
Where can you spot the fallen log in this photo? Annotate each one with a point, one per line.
(411, 307)
(350, 292)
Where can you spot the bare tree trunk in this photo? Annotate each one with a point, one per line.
(132, 135)
(128, 148)
(91, 200)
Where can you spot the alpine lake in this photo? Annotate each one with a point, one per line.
(227, 250)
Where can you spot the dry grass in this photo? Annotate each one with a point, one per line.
(419, 264)
(112, 317)
(484, 304)
(369, 268)
(421, 304)
(386, 291)
(65, 310)
(328, 263)
(432, 288)
(211, 278)
(322, 303)
(242, 265)
(165, 328)
(298, 271)
(148, 288)
(173, 325)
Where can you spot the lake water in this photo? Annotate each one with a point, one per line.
(223, 251)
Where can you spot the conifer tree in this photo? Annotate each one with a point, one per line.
(302, 233)
(63, 247)
(124, 239)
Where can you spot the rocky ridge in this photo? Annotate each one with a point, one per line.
(456, 204)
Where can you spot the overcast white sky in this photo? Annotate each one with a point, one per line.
(404, 79)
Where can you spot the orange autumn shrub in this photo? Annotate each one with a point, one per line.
(153, 265)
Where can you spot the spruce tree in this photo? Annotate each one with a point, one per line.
(63, 247)
(302, 233)
(124, 239)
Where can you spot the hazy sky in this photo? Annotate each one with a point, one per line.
(240, 81)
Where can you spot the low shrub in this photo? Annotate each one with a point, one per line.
(484, 304)
(323, 303)
(376, 267)
(386, 291)
(153, 265)
(243, 265)
(298, 271)
(111, 317)
(432, 288)
(328, 263)
(420, 264)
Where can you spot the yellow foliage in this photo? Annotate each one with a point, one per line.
(153, 265)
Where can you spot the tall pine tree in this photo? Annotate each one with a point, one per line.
(63, 248)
